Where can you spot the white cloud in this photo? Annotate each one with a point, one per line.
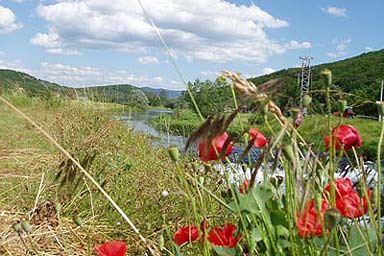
(339, 12)
(368, 49)
(52, 43)
(63, 51)
(19, 1)
(209, 74)
(341, 46)
(211, 30)
(264, 71)
(267, 71)
(8, 21)
(49, 40)
(149, 60)
(296, 45)
(78, 76)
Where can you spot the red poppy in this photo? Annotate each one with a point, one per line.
(113, 248)
(244, 187)
(224, 236)
(345, 135)
(186, 234)
(309, 223)
(258, 137)
(209, 153)
(348, 201)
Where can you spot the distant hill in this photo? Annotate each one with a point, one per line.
(171, 94)
(11, 80)
(359, 76)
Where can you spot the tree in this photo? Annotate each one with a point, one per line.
(211, 97)
(138, 98)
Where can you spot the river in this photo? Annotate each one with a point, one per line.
(138, 122)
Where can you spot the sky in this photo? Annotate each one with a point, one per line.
(94, 42)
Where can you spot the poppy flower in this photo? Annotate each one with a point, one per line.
(309, 222)
(348, 201)
(244, 187)
(186, 234)
(258, 137)
(208, 152)
(112, 248)
(224, 236)
(345, 135)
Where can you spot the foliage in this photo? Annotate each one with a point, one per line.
(211, 97)
(355, 79)
(18, 82)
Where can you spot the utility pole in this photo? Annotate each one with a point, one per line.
(305, 79)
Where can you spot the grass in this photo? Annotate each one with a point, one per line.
(35, 177)
(129, 168)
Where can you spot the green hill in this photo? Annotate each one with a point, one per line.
(11, 80)
(356, 79)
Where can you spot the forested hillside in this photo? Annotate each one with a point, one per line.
(356, 79)
(11, 80)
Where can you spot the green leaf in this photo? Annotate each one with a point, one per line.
(278, 217)
(362, 241)
(255, 238)
(254, 201)
(224, 251)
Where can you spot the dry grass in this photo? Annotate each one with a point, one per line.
(126, 164)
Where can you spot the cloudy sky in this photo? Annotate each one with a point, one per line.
(94, 42)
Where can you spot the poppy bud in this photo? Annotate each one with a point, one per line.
(195, 167)
(326, 77)
(78, 221)
(266, 109)
(17, 227)
(173, 153)
(26, 226)
(58, 207)
(307, 100)
(342, 104)
(332, 217)
(319, 202)
(288, 153)
(161, 242)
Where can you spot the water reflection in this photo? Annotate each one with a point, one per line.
(138, 122)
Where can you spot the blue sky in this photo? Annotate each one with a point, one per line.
(94, 42)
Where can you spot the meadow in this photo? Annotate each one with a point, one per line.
(63, 199)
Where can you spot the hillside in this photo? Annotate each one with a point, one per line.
(359, 76)
(11, 80)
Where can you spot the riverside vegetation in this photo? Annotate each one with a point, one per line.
(183, 206)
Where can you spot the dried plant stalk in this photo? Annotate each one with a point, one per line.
(251, 91)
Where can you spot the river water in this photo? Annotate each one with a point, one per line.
(138, 122)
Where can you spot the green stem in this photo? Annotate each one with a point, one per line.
(331, 149)
(378, 187)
